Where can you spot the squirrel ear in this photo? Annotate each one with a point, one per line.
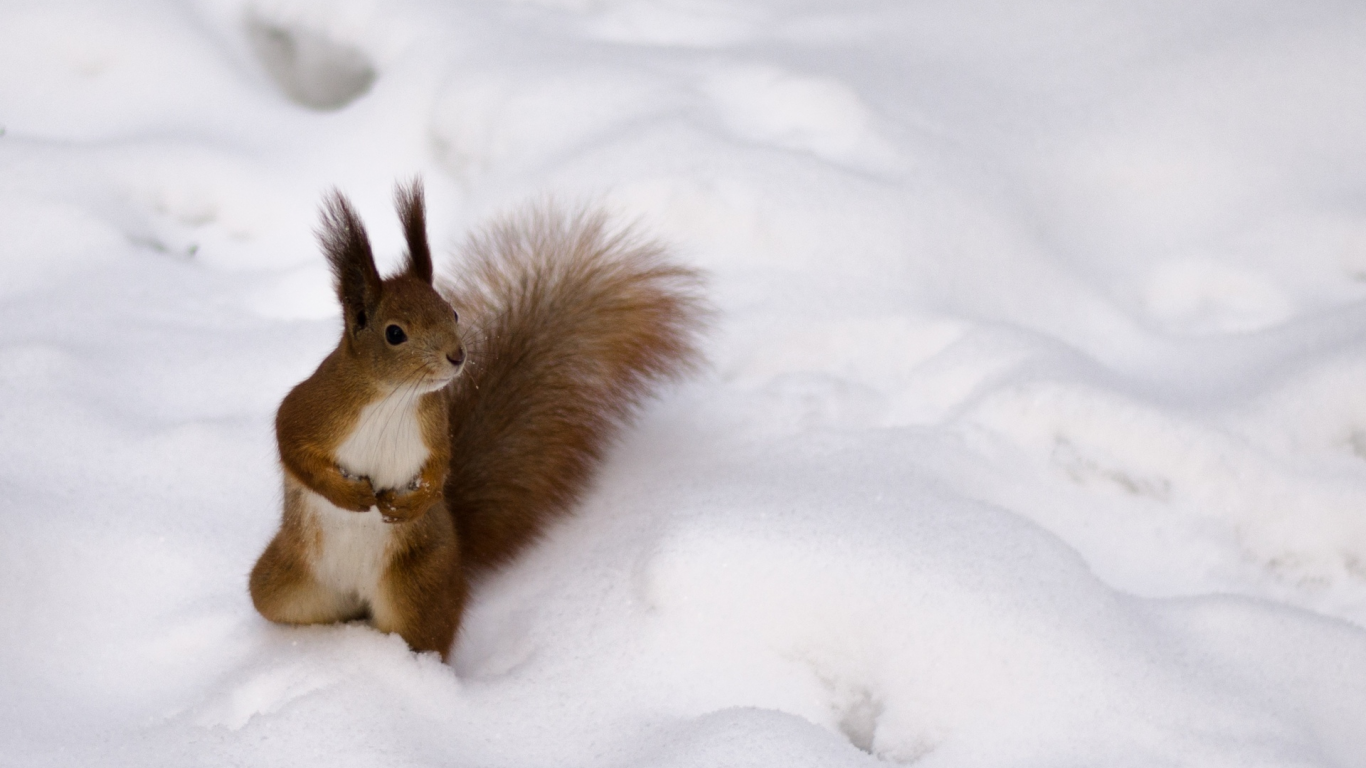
(353, 265)
(412, 212)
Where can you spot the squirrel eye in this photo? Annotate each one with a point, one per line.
(395, 335)
(456, 315)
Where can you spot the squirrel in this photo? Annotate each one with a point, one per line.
(458, 417)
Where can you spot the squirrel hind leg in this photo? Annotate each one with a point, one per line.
(422, 593)
(284, 590)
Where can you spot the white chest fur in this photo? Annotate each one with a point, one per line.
(386, 445)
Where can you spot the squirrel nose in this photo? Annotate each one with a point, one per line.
(458, 357)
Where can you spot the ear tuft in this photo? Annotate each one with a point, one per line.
(412, 212)
(353, 265)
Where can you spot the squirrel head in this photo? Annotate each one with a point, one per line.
(399, 331)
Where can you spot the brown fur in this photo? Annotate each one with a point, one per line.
(569, 326)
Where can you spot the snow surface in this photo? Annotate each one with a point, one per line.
(1035, 433)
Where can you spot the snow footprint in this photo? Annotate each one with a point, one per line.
(312, 69)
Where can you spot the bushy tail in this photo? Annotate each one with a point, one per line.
(570, 326)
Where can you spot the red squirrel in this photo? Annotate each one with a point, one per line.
(456, 418)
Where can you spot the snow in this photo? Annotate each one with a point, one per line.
(1034, 432)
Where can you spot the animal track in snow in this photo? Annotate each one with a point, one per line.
(312, 69)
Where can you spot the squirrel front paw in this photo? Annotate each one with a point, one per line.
(356, 493)
(400, 507)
